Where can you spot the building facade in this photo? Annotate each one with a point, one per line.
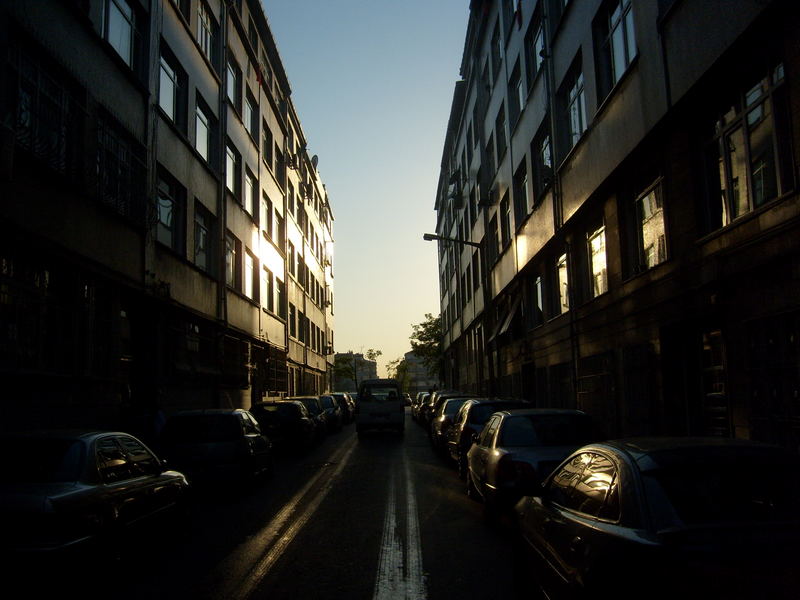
(626, 174)
(165, 236)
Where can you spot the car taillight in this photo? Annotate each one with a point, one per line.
(510, 471)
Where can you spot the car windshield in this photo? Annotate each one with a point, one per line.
(480, 413)
(545, 430)
(41, 461)
(380, 394)
(327, 402)
(733, 489)
(451, 406)
(203, 428)
(312, 406)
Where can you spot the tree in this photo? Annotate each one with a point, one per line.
(426, 341)
(398, 369)
(350, 365)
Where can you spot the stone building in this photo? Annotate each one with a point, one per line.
(165, 235)
(619, 186)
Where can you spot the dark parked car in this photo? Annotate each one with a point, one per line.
(61, 489)
(286, 423)
(348, 406)
(520, 446)
(217, 444)
(428, 407)
(468, 422)
(332, 411)
(442, 422)
(417, 403)
(665, 518)
(314, 408)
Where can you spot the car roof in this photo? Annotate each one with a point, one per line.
(208, 411)
(541, 411)
(64, 434)
(657, 451)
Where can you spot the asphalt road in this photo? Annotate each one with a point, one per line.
(375, 518)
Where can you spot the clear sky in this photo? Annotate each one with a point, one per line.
(372, 82)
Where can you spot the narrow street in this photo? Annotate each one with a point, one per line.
(381, 517)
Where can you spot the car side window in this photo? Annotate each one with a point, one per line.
(112, 462)
(561, 487)
(461, 416)
(595, 489)
(487, 435)
(142, 461)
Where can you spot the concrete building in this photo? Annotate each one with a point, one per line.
(165, 236)
(620, 179)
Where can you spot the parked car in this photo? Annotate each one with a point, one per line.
(286, 423)
(665, 518)
(416, 405)
(347, 404)
(332, 411)
(429, 406)
(380, 406)
(314, 408)
(407, 399)
(66, 489)
(217, 444)
(442, 422)
(468, 422)
(520, 446)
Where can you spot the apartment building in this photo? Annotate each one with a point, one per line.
(165, 235)
(619, 188)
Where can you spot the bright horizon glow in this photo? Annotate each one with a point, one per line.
(372, 83)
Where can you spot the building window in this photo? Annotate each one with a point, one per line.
(266, 144)
(597, 261)
(615, 40)
(250, 275)
(168, 88)
(521, 194)
(266, 215)
(280, 299)
(119, 28)
(206, 32)
(233, 165)
(562, 277)
(120, 170)
(279, 230)
(233, 261)
(234, 85)
(291, 261)
(290, 198)
(493, 250)
(516, 95)
(169, 227)
(651, 241)
(202, 237)
(497, 50)
(505, 221)
(542, 155)
(534, 48)
(268, 289)
(535, 301)
(292, 320)
(251, 116)
(749, 158)
(250, 193)
(574, 103)
(500, 132)
(202, 132)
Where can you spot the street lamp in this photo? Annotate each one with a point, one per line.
(429, 237)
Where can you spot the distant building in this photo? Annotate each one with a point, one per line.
(363, 368)
(620, 178)
(419, 380)
(165, 236)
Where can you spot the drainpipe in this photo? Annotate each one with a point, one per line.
(222, 298)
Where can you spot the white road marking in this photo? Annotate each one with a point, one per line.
(280, 532)
(396, 579)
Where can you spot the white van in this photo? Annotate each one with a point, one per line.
(380, 405)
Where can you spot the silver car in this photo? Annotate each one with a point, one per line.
(519, 446)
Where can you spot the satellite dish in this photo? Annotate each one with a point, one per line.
(314, 160)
